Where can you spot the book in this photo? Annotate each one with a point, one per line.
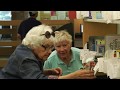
(95, 40)
(100, 46)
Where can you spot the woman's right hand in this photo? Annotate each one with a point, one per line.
(79, 74)
(84, 74)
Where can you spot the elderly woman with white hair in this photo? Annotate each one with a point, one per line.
(26, 62)
(67, 57)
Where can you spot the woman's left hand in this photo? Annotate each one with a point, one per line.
(54, 71)
(57, 71)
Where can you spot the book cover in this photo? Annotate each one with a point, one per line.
(94, 41)
(100, 46)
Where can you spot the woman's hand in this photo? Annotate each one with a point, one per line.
(90, 65)
(54, 71)
(85, 74)
(79, 74)
(57, 71)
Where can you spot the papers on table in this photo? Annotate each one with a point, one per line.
(109, 66)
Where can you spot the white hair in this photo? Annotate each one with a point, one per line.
(62, 36)
(34, 37)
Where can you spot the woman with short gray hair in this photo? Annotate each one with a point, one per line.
(67, 58)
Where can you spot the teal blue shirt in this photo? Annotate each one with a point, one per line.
(54, 61)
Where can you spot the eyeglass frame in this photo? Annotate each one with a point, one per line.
(48, 48)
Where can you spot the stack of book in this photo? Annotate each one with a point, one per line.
(97, 43)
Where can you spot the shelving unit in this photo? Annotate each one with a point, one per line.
(56, 22)
(78, 41)
(97, 28)
(7, 46)
(102, 21)
(95, 20)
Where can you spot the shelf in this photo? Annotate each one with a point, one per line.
(9, 43)
(102, 21)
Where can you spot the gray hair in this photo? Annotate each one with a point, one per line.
(61, 36)
(34, 37)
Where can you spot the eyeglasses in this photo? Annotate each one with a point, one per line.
(48, 47)
(48, 34)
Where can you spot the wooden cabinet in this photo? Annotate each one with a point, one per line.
(97, 29)
(94, 28)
